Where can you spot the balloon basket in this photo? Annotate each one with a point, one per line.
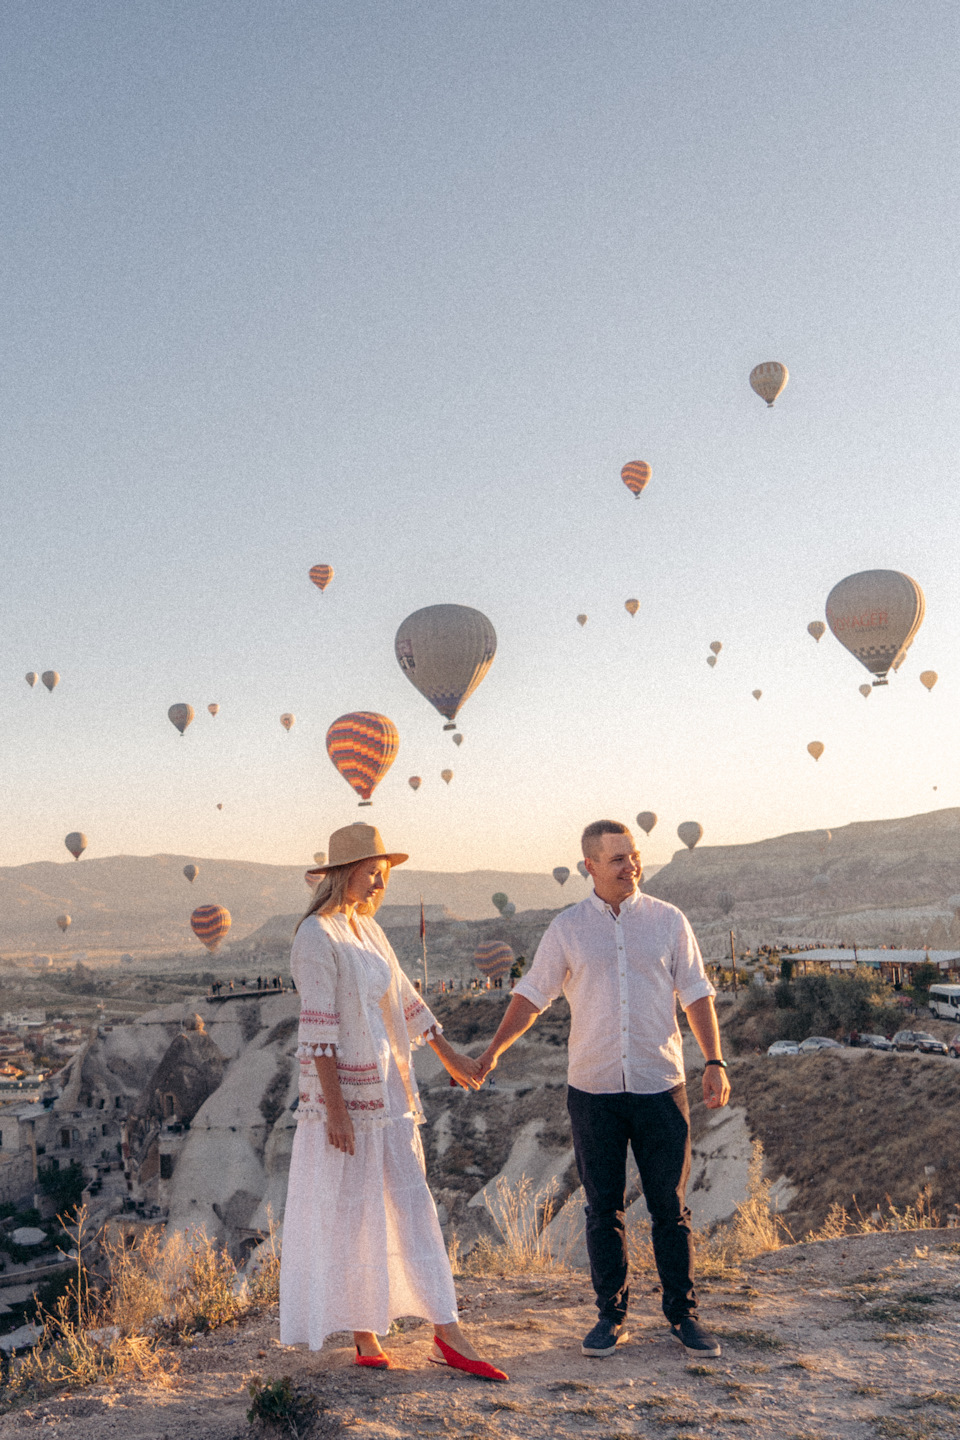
(451, 726)
(364, 802)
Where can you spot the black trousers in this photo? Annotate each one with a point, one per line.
(658, 1128)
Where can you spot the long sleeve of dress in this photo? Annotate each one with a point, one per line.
(314, 968)
(422, 1024)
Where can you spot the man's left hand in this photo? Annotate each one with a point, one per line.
(716, 1087)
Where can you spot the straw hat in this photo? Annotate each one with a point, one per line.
(351, 845)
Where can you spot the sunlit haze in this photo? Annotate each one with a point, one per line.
(400, 288)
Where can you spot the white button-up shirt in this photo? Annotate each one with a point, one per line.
(622, 975)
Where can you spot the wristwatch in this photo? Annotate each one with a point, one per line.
(721, 1063)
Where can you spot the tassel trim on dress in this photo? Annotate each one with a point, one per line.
(309, 1049)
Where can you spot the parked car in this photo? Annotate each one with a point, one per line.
(786, 1047)
(876, 1042)
(920, 1040)
(818, 1042)
(954, 1047)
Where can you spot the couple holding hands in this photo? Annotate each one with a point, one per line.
(362, 1244)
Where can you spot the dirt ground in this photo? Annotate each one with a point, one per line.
(850, 1338)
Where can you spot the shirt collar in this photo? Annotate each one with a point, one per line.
(631, 902)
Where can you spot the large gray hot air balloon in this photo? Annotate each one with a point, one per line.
(768, 380)
(51, 679)
(690, 832)
(875, 614)
(445, 651)
(76, 843)
(561, 874)
(646, 820)
(180, 716)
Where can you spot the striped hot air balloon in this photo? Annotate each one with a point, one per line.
(363, 745)
(636, 476)
(321, 575)
(210, 923)
(494, 959)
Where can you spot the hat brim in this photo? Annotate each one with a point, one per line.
(397, 858)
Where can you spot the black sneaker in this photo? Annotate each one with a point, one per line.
(695, 1337)
(604, 1338)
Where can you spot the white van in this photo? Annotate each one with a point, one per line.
(945, 1001)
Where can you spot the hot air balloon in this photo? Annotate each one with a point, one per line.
(928, 678)
(210, 923)
(446, 775)
(875, 614)
(63, 921)
(31, 678)
(76, 843)
(756, 694)
(499, 900)
(636, 476)
(581, 621)
(288, 721)
(716, 646)
(180, 716)
(214, 709)
(815, 748)
(494, 959)
(220, 806)
(415, 782)
(768, 380)
(191, 872)
(865, 690)
(690, 832)
(631, 606)
(319, 857)
(582, 869)
(711, 661)
(561, 874)
(445, 651)
(51, 679)
(457, 739)
(321, 575)
(509, 910)
(363, 746)
(816, 628)
(646, 820)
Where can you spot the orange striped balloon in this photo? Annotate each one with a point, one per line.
(636, 476)
(494, 959)
(210, 923)
(321, 575)
(363, 746)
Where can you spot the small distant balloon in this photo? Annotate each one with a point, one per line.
(191, 872)
(214, 709)
(63, 921)
(499, 900)
(815, 748)
(581, 621)
(180, 716)
(288, 721)
(509, 910)
(457, 739)
(76, 843)
(31, 678)
(321, 575)
(494, 959)
(636, 476)
(210, 923)
(646, 820)
(711, 661)
(631, 606)
(816, 628)
(690, 832)
(928, 678)
(865, 690)
(220, 806)
(716, 646)
(561, 874)
(768, 380)
(446, 776)
(582, 869)
(51, 679)
(756, 694)
(319, 857)
(415, 782)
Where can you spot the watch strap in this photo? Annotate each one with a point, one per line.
(721, 1063)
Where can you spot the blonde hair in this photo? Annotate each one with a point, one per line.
(331, 893)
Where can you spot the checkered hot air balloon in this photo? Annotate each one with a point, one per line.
(363, 745)
(210, 923)
(321, 575)
(636, 476)
(494, 959)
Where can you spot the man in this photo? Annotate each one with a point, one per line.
(623, 959)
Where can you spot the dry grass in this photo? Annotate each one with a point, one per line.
(920, 1215)
(520, 1213)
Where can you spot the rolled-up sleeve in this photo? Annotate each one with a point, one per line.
(543, 982)
(689, 976)
(313, 964)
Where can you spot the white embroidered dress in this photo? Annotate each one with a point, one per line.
(361, 1240)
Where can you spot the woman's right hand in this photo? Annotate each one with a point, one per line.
(340, 1131)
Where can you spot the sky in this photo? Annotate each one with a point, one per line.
(400, 288)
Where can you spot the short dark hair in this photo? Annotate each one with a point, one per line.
(595, 830)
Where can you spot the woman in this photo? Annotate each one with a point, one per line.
(361, 1240)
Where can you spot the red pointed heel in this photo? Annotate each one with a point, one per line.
(456, 1361)
(373, 1362)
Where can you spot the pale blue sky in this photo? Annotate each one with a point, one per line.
(400, 287)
